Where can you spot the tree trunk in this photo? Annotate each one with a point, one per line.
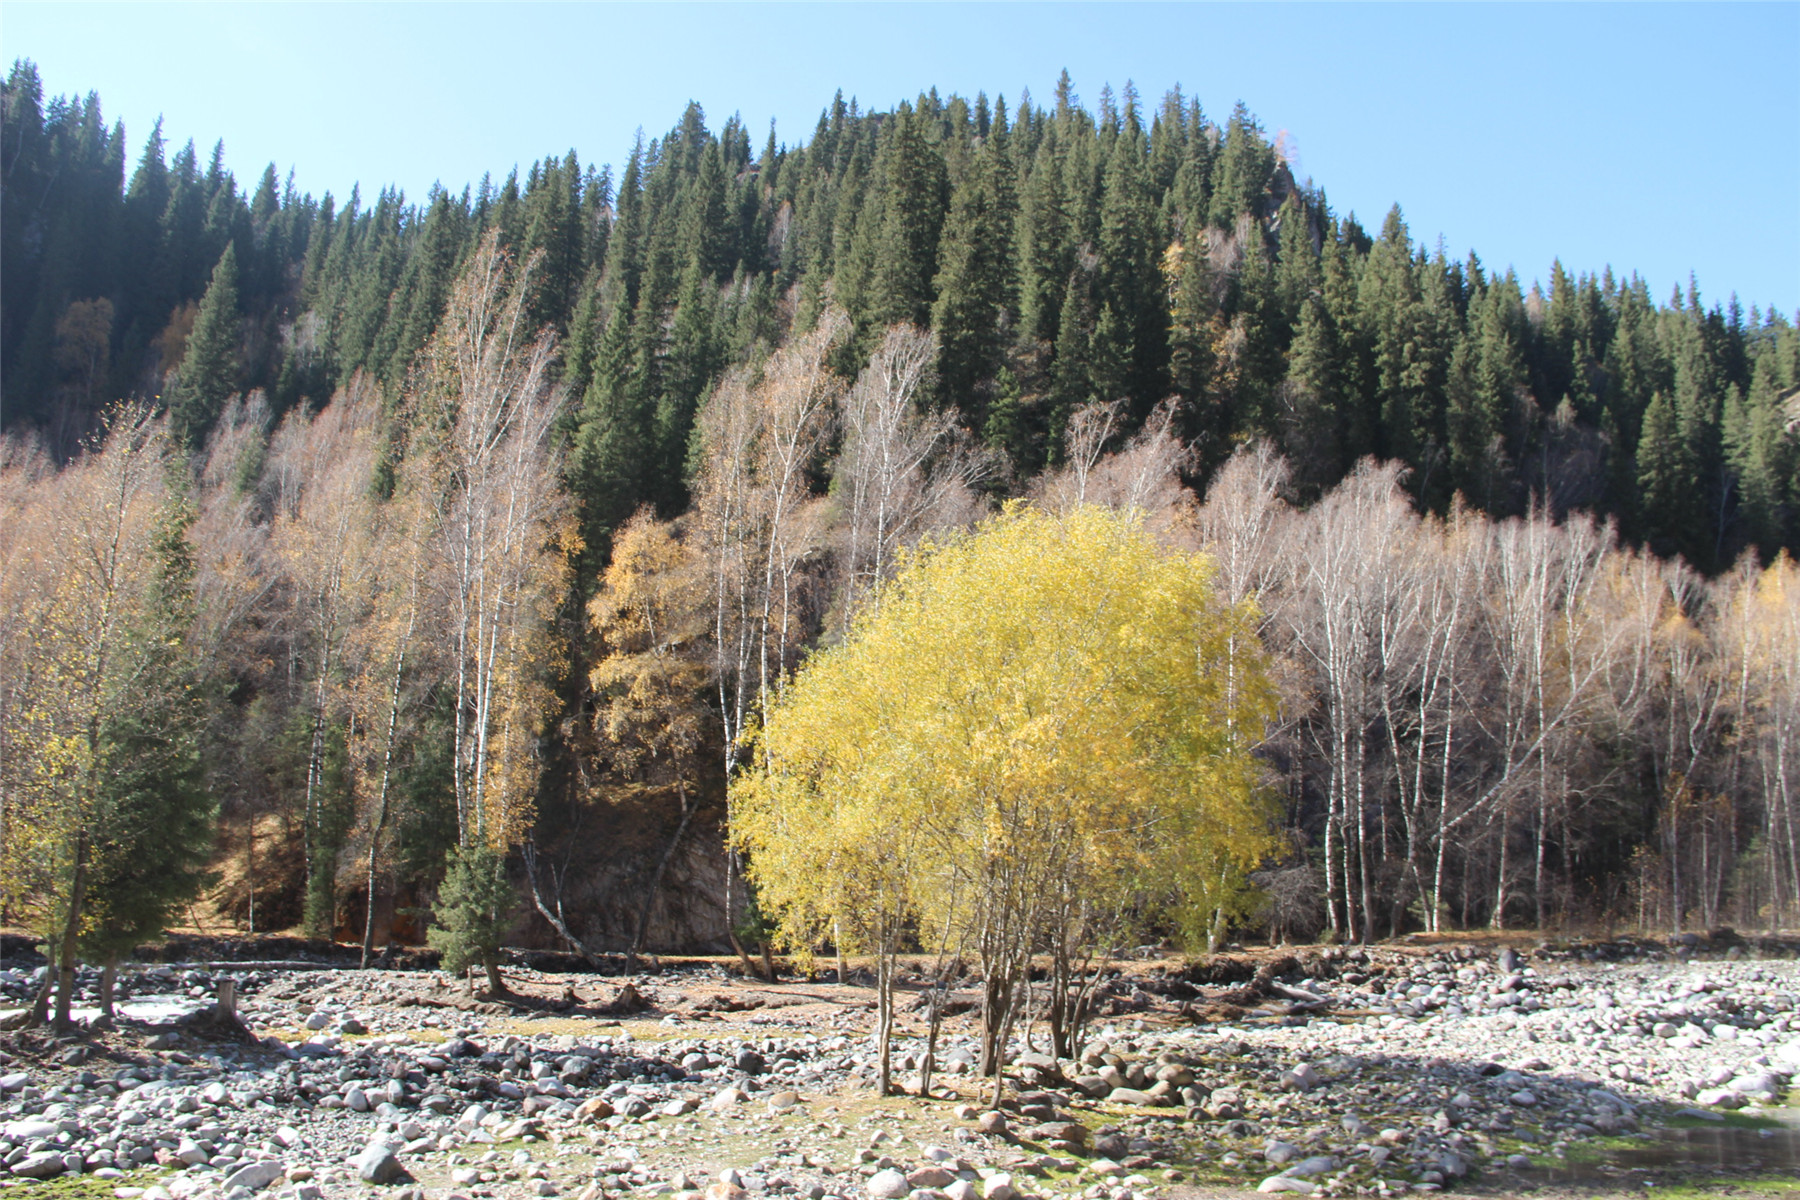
(996, 998)
(884, 1021)
(656, 876)
(555, 919)
(250, 869)
(65, 959)
(1000, 1056)
(381, 803)
(934, 1021)
(496, 985)
(109, 975)
(39, 1012)
(751, 970)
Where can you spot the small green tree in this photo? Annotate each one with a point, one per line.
(153, 824)
(474, 909)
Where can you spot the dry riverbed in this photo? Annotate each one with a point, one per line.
(1476, 1067)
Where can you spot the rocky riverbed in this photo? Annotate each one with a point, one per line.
(1328, 1072)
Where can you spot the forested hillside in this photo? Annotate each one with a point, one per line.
(508, 508)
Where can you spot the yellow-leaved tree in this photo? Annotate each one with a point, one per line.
(1031, 744)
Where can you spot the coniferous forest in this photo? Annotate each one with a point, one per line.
(446, 549)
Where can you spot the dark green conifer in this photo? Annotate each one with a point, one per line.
(208, 371)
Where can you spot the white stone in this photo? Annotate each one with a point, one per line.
(1301, 1078)
(888, 1185)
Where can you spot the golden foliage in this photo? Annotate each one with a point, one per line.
(1041, 703)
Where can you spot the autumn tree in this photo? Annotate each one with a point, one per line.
(483, 453)
(1032, 708)
(903, 472)
(323, 535)
(649, 680)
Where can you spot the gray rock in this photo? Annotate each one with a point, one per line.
(1287, 1183)
(28, 1131)
(931, 1177)
(888, 1185)
(1127, 1095)
(378, 1164)
(44, 1165)
(999, 1186)
(255, 1176)
(1306, 1168)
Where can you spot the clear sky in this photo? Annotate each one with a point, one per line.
(1660, 138)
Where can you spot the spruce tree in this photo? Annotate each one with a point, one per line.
(1667, 476)
(1243, 170)
(473, 913)
(1314, 435)
(153, 828)
(972, 292)
(208, 371)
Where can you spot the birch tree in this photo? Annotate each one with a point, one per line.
(322, 535)
(483, 451)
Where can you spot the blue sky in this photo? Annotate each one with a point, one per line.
(1660, 138)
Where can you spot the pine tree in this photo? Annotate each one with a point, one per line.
(1071, 383)
(1314, 420)
(1243, 170)
(972, 293)
(1044, 252)
(473, 913)
(208, 371)
(904, 244)
(1128, 278)
(153, 828)
(1667, 476)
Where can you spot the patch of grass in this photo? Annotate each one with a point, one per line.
(535, 1027)
(1731, 1120)
(1749, 1186)
(88, 1187)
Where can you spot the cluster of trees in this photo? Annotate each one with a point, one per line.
(1512, 722)
(462, 531)
(338, 615)
(1059, 255)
